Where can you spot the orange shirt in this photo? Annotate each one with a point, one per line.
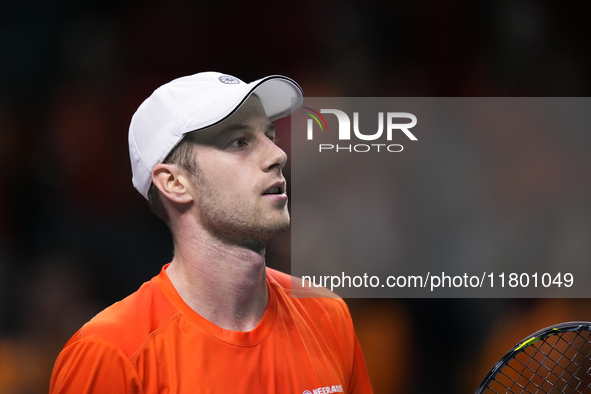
(153, 342)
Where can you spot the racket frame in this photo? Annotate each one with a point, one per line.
(527, 342)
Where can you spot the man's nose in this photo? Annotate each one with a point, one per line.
(274, 157)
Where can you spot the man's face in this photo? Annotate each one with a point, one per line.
(239, 188)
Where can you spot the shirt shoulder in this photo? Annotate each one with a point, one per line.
(303, 296)
(297, 287)
(129, 323)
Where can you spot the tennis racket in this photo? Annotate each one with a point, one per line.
(553, 360)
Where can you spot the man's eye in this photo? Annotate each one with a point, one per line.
(239, 143)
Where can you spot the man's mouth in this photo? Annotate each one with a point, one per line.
(277, 188)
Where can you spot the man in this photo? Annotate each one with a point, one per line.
(215, 320)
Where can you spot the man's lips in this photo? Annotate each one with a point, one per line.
(277, 188)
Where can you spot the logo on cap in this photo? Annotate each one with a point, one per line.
(229, 79)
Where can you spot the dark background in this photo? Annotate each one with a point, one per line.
(75, 236)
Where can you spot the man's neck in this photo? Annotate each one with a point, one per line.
(224, 283)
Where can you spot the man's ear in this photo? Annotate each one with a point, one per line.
(173, 182)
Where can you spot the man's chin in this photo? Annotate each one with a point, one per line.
(255, 237)
(274, 229)
(280, 229)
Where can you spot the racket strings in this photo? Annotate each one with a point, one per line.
(579, 356)
(556, 364)
(557, 370)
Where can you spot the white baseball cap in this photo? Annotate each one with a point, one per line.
(195, 102)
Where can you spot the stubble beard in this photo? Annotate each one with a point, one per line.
(235, 223)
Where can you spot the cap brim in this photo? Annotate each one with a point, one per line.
(280, 97)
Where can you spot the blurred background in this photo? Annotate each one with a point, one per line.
(75, 236)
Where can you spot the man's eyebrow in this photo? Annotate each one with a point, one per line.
(240, 127)
(234, 127)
